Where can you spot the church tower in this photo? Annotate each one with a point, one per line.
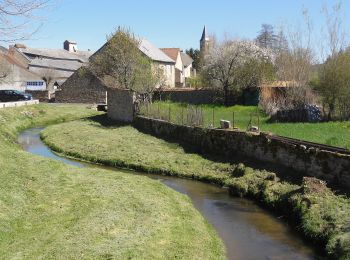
(205, 43)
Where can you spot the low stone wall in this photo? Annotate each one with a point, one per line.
(120, 105)
(330, 166)
(206, 96)
(82, 87)
(19, 103)
(41, 95)
(190, 96)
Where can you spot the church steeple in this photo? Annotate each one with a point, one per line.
(204, 34)
(205, 42)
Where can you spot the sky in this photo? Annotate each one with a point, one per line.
(172, 23)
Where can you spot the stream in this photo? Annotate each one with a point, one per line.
(247, 230)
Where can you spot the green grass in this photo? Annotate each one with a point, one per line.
(322, 216)
(330, 133)
(49, 210)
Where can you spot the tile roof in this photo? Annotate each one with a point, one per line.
(153, 52)
(186, 59)
(171, 52)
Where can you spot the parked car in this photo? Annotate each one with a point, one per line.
(14, 95)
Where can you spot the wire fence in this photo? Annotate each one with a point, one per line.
(207, 117)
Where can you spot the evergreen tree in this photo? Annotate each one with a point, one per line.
(266, 37)
(195, 55)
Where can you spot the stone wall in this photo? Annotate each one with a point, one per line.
(82, 87)
(190, 96)
(330, 166)
(41, 95)
(205, 96)
(120, 105)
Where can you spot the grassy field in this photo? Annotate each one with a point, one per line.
(49, 210)
(321, 215)
(331, 133)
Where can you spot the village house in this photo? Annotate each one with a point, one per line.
(15, 75)
(83, 87)
(183, 65)
(54, 66)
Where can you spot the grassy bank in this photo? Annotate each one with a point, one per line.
(320, 215)
(49, 210)
(330, 133)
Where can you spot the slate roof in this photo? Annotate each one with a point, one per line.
(63, 74)
(3, 49)
(82, 56)
(186, 59)
(171, 52)
(204, 34)
(153, 52)
(71, 65)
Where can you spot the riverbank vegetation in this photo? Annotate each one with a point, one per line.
(335, 133)
(52, 210)
(321, 215)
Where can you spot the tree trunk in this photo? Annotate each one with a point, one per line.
(226, 95)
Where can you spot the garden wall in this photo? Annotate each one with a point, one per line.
(205, 96)
(41, 95)
(330, 166)
(190, 96)
(193, 96)
(120, 105)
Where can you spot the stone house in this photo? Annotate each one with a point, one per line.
(183, 65)
(188, 70)
(161, 60)
(87, 88)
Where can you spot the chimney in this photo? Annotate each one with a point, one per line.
(70, 46)
(20, 46)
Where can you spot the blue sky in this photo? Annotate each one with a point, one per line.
(171, 23)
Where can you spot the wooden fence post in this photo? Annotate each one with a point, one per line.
(158, 112)
(169, 113)
(213, 117)
(233, 119)
(182, 115)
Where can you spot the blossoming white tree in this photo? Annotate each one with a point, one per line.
(234, 65)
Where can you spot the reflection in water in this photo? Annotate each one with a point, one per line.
(248, 231)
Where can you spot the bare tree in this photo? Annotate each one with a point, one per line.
(19, 19)
(48, 76)
(294, 62)
(234, 65)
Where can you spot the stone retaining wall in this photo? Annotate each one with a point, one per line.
(330, 166)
